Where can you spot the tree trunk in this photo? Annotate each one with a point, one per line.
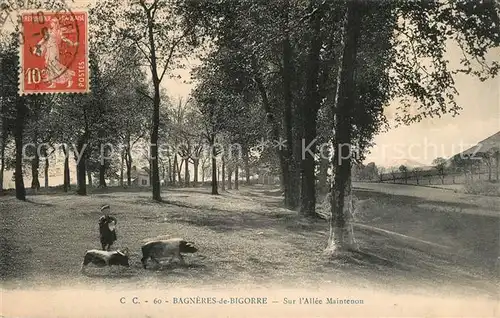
(35, 165)
(122, 167)
(150, 175)
(163, 173)
(287, 75)
(196, 164)
(294, 179)
(170, 170)
(66, 169)
(309, 113)
(203, 168)
(18, 137)
(341, 235)
(155, 176)
(3, 144)
(46, 172)
(497, 163)
(174, 170)
(89, 174)
(323, 175)
(2, 163)
(237, 177)
(102, 175)
(223, 179)
(81, 174)
(229, 180)
(128, 163)
(2, 155)
(214, 168)
(186, 173)
(246, 165)
(179, 168)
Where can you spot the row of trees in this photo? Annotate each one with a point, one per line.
(104, 132)
(323, 71)
(460, 164)
(78, 125)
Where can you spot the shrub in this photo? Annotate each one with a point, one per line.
(482, 188)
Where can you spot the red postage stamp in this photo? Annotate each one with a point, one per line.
(54, 52)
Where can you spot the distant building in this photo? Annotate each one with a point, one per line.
(140, 177)
(266, 176)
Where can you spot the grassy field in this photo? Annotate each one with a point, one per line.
(245, 237)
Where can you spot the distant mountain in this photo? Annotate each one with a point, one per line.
(485, 145)
(409, 163)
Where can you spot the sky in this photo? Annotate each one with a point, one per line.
(446, 136)
(420, 142)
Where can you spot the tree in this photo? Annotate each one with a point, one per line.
(440, 166)
(487, 157)
(8, 97)
(341, 235)
(495, 153)
(475, 28)
(13, 107)
(394, 174)
(404, 170)
(381, 172)
(416, 173)
(461, 163)
(370, 171)
(131, 118)
(167, 40)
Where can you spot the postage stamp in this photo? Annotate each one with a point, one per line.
(53, 52)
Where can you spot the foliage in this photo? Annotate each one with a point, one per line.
(481, 187)
(422, 79)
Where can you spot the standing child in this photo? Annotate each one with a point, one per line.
(107, 228)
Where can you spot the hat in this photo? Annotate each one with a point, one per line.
(106, 206)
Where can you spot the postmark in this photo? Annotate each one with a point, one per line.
(53, 52)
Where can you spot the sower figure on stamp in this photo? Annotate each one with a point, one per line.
(50, 46)
(107, 228)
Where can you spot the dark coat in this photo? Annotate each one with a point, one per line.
(107, 236)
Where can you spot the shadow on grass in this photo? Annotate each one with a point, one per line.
(364, 194)
(111, 276)
(223, 223)
(265, 263)
(39, 203)
(10, 254)
(191, 190)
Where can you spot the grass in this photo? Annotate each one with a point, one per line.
(246, 237)
(482, 187)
